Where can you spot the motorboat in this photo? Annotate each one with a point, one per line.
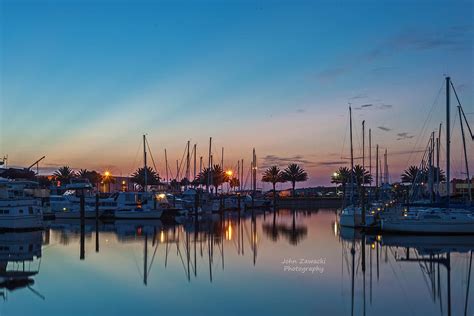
(18, 210)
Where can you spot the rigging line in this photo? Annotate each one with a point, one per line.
(151, 155)
(424, 124)
(181, 161)
(136, 155)
(462, 110)
(345, 135)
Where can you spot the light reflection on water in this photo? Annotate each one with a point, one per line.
(271, 264)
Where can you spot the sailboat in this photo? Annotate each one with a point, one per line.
(143, 210)
(429, 220)
(352, 215)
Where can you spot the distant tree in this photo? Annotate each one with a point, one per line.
(342, 176)
(442, 176)
(93, 176)
(234, 183)
(184, 182)
(216, 175)
(294, 173)
(64, 174)
(412, 174)
(138, 177)
(361, 176)
(273, 175)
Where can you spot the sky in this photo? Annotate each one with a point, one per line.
(82, 81)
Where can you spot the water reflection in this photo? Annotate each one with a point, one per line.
(431, 254)
(149, 265)
(20, 255)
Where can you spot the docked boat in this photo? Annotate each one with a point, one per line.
(18, 210)
(431, 221)
(74, 212)
(138, 213)
(351, 216)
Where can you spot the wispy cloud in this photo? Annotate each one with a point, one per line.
(331, 163)
(452, 38)
(385, 129)
(359, 96)
(404, 135)
(281, 161)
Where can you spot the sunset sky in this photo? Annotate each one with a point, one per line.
(81, 81)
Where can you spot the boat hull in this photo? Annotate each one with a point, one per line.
(427, 227)
(76, 214)
(137, 215)
(22, 222)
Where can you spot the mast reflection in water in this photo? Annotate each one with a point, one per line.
(278, 263)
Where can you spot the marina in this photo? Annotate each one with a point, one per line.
(236, 157)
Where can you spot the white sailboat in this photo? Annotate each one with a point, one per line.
(352, 215)
(435, 220)
(145, 205)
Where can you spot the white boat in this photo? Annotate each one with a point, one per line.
(431, 221)
(17, 210)
(138, 213)
(74, 212)
(351, 216)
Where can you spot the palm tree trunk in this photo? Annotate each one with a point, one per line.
(293, 183)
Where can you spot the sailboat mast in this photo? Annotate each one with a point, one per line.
(370, 155)
(377, 166)
(438, 170)
(222, 158)
(363, 147)
(465, 155)
(242, 172)
(145, 168)
(352, 156)
(254, 172)
(195, 145)
(188, 162)
(238, 173)
(209, 165)
(166, 163)
(448, 138)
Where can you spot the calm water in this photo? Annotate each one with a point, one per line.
(223, 267)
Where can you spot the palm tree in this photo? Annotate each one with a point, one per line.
(342, 176)
(216, 174)
(294, 173)
(93, 176)
(64, 174)
(273, 175)
(152, 177)
(361, 176)
(442, 176)
(412, 174)
(234, 183)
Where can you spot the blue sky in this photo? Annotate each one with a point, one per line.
(82, 80)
